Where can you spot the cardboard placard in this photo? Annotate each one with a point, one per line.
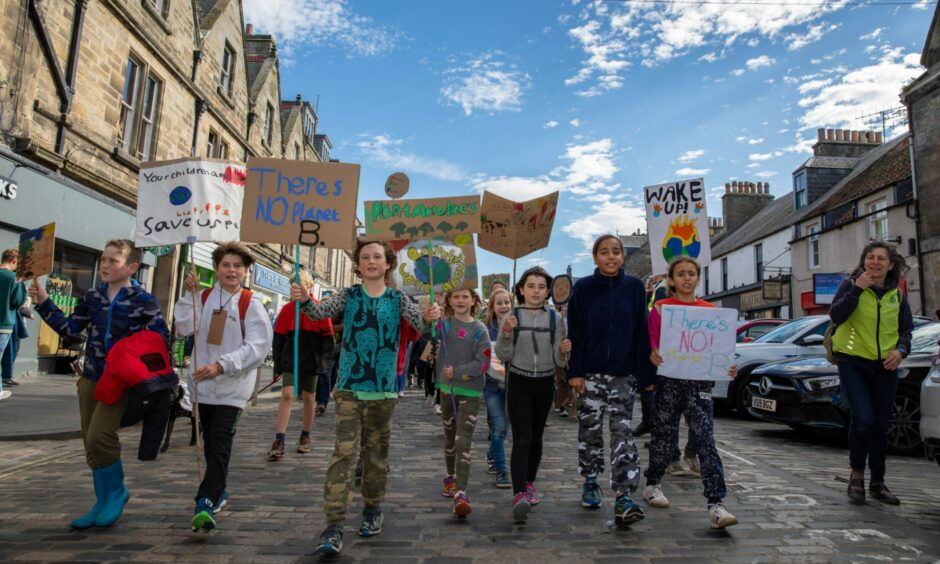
(422, 219)
(561, 289)
(185, 198)
(454, 263)
(677, 222)
(489, 279)
(515, 229)
(291, 202)
(37, 252)
(397, 185)
(697, 343)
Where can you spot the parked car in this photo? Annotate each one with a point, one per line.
(754, 328)
(930, 411)
(799, 337)
(806, 393)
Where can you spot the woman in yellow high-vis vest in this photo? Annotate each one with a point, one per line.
(871, 339)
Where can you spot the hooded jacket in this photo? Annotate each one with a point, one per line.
(315, 351)
(608, 329)
(139, 361)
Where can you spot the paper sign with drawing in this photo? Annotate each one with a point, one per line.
(697, 343)
(515, 229)
(453, 263)
(677, 222)
(37, 252)
(185, 198)
(429, 218)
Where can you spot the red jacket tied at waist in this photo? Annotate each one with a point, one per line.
(140, 361)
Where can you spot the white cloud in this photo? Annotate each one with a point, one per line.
(760, 156)
(614, 35)
(386, 150)
(875, 34)
(766, 174)
(813, 33)
(921, 5)
(691, 155)
(533, 261)
(749, 140)
(738, 72)
(688, 171)
(517, 188)
(487, 84)
(323, 23)
(760, 62)
(859, 91)
(575, 122)
(608, 216)
(551, 124)
(753, 165)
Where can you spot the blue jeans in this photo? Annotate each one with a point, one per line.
(870, 394)
(496, 413)
(323, 389)
(9, 354)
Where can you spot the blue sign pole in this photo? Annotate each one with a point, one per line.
(296, 323)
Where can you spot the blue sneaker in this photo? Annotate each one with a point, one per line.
(203, 522)
(331, 541)
(371, 522)
(626, 512)
(220, 503)
(590, 493)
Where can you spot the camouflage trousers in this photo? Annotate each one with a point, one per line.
(694, 398)
(615, 394)
(458, 432)
(368, 421)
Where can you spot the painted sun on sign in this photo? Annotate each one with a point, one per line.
(677, 222)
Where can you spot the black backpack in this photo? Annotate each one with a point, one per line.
(550, 329)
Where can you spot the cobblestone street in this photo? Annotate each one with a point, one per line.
(782, 488)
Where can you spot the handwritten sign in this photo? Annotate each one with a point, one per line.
(515, 229)
(291, 202)
(397, 185)
(677, 222)
(185, 198)
(454, 265)
(560, 291)
(422, 219)
(37, 252)
(490, 279)
(697, 343)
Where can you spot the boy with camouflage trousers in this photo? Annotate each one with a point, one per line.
(365, 393)
(116, 309)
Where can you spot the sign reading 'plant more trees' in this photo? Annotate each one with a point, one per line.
(422, 219)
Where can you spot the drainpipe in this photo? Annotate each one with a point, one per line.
(252, 117)
(71, 69)
(202, 106)
(917, 229)
(197, 57)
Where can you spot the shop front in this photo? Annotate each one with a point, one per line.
(85, 220)
(768, 301)
(273, 286)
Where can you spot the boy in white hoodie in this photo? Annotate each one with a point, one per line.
(232, 340)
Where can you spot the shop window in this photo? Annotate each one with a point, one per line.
(140, 107)
(79, 266)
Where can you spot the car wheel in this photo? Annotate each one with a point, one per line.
(904, 427)
(742, 394)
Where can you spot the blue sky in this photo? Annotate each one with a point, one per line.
(596, 99)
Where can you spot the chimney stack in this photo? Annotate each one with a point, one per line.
(741, 201)
(249, 29)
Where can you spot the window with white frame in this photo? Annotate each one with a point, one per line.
(216, 147)
(799, 190)
(268, 131)
(228, 69)
(812, 247)
(878, 219)
(140, 108)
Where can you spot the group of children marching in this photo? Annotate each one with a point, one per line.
(609, 345)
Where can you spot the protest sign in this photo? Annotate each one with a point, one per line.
(697, 343)
(489, 279)
(677, 222)
(397, 185)
(37, 252)
(515, 229)
(309, 203)
(454, 265)
(425, 219)
(185, 198)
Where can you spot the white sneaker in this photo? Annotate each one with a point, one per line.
(429, 401)
(720, 517)
(437, 409)
(675, 469)
(692, 463)
(654, 496)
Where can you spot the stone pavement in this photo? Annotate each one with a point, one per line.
(43, 406)
(781, 487)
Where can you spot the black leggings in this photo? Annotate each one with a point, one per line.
(529, 402)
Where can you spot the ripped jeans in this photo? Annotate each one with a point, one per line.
(458, 432)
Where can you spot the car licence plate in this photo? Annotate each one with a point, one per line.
(764, 404)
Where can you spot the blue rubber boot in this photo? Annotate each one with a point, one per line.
(115, 495)
(88, 520)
